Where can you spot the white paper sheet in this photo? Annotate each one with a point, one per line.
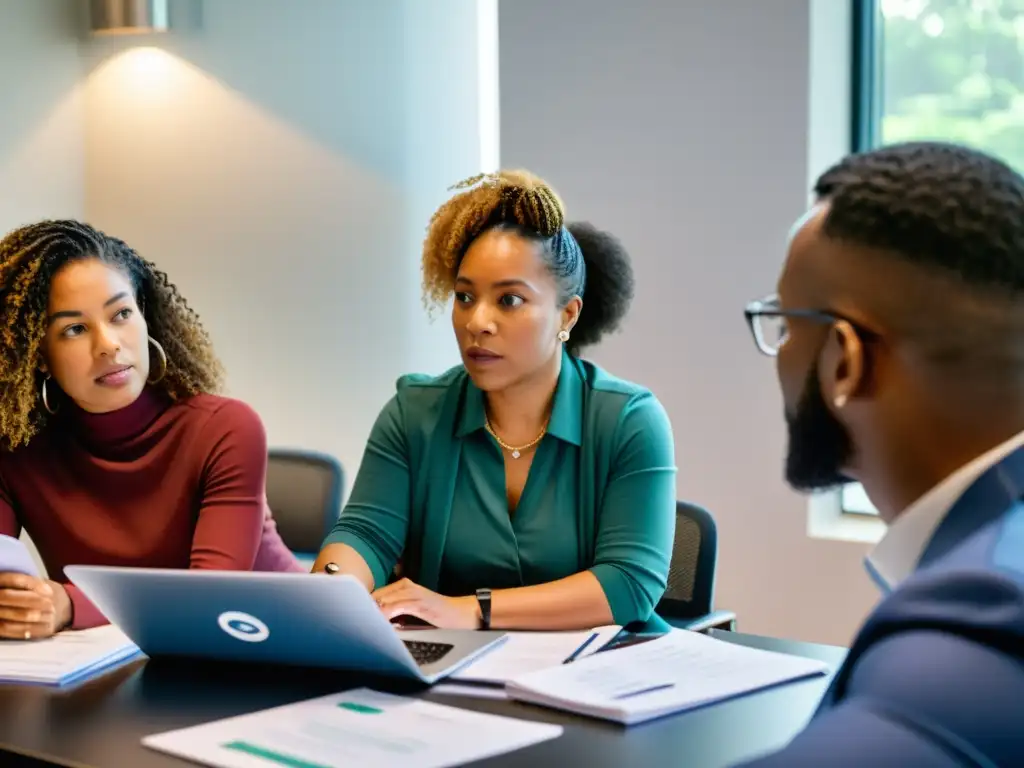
(358, 728)
(470, 691)
(525, 652)
(678, 671)
(15, 557)
(65, 657)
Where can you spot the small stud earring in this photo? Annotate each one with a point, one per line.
(563, 336)
(839, 402)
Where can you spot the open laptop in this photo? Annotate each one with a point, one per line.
(285, 618)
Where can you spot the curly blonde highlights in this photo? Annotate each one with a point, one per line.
(29, 258)
(514, 197)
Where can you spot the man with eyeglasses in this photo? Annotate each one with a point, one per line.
(898, 333)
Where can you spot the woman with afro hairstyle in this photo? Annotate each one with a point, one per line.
(113, 448)
(526, 488)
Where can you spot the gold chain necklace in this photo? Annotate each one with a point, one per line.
(516, 451)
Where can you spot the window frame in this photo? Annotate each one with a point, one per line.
(834, 69)
(866, 75)
(866, 85)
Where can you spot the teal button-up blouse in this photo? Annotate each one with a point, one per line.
(600, 495)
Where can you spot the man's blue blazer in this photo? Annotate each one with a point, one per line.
(935, 678)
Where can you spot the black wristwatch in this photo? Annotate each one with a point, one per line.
(483, 598)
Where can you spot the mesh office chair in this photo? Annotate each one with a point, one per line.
(304, 492)
(690, 594)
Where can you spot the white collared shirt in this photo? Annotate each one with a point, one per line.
(897, 554)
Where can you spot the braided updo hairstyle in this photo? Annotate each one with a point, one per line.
(29, 258)
(521, 202)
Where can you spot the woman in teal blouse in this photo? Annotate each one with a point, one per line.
(526, 488)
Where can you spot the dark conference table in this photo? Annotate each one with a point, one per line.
(99, 724)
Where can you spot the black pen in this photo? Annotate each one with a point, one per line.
(642, 691)
(575, 654)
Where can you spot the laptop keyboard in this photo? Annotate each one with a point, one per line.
(427, 653)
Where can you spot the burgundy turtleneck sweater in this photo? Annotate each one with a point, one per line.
(157, 484)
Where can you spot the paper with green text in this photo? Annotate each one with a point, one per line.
(358, 728)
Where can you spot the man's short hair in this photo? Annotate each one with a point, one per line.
(934, 204)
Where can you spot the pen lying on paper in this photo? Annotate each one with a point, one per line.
(642, 691)
(575, 654)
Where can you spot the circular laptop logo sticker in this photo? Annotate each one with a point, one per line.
(244, 627)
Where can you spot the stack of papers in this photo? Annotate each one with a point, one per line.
(65, 658)
(358, 728)
(678, 671)
(525, 652)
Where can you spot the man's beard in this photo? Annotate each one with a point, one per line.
(819, 445)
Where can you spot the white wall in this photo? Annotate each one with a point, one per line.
(41, 162)
(281, 163)
(450, 52)
(684, 128)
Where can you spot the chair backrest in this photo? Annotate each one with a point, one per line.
(304, 492)
(691, 576)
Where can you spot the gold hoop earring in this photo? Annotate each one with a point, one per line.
(163, 360)
(46, 400)
(563, 336)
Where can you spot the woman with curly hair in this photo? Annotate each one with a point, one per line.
(526, 488)
(113, 448)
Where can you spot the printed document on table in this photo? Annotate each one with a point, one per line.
(525, 652)
(362, 728)
(66, 657)
(678, 671)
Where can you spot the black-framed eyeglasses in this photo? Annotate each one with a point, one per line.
(769, 322)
